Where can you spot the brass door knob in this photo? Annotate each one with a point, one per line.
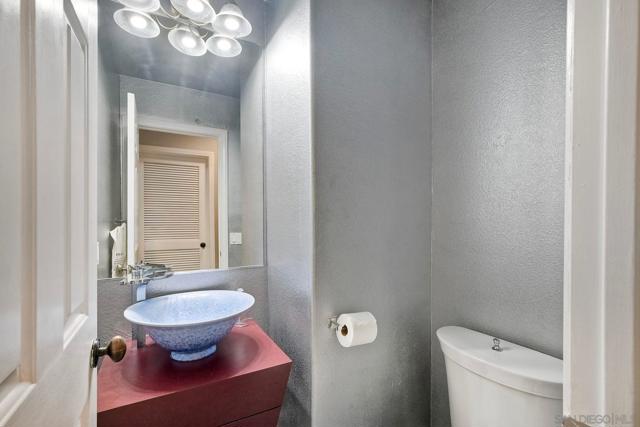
(116, 349)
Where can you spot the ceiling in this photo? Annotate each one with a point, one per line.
(155, 59)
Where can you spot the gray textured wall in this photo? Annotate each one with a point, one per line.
(252, 164)
(372, 109)
(113, 298)
(498, 145)
(289, 196)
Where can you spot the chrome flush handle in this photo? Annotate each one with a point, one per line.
(496, 345)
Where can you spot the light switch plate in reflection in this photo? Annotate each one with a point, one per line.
(235, 238)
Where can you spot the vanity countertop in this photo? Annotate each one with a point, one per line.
(244, 380)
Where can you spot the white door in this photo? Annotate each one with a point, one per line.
(48, 216)
(175, 221)
(133, 159)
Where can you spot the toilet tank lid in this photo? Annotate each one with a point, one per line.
(517, 367)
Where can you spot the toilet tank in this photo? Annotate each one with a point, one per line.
(487, 388)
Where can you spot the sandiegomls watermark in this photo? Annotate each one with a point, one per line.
(604, 420)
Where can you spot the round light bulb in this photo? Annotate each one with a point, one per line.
(138, 22)
(232, 24)
(188, 41)
(223, 44)
(195, 5)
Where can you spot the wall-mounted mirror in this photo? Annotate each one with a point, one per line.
(180, 174)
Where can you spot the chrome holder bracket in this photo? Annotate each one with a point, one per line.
(333, 323)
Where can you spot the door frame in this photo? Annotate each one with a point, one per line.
(602, 264)
(154, 152)
(160, 124)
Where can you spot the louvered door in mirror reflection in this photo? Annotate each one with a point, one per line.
(177, 224)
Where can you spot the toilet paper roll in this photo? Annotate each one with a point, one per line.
(356, 329)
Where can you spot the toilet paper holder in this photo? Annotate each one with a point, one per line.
(335, 326)
(353, 329)
(333, 323)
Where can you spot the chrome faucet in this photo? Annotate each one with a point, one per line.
(139, 277)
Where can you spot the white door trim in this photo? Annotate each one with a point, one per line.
(133, 155)
(164, 125)
(601, 214)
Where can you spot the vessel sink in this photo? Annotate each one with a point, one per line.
(190, 324)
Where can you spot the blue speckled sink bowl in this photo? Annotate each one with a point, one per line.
(190, 324)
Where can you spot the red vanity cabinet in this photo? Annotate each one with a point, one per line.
(241, 385)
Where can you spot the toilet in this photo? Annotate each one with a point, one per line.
(494, 383)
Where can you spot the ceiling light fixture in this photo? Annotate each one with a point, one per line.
(224, 46)
(187, 41)
(199, 11)
(193, 21)
(231, 22)
(137, 23)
